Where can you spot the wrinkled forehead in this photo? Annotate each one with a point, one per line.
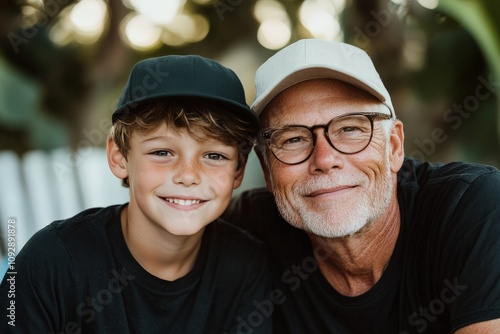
(306, 97)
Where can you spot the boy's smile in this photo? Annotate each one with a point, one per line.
(178, 183)
(184, 202)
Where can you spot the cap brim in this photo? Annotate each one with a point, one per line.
(310, 72)
(239, 110)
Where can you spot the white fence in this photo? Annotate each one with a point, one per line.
(41, 187)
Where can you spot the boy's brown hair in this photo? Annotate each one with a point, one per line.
(201, 118)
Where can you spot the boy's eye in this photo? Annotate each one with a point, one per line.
(161, 153)
(215, 156)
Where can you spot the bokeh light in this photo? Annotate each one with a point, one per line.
(320, 18)
(140, 33)
(275, 29)
(269, 9)
(429, 4)
(83, 22)
(152, 23)
(274, 34)
(190, 28)
(205, 2)
(33, 13)
(88, 18)
(167, 21)
(61, 32)
(158, 11)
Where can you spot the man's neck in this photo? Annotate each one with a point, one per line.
(354, 264)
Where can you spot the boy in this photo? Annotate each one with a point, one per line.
(164, 262)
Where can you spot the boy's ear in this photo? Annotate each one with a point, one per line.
(238, 177)
(116, 161)
(265, 170)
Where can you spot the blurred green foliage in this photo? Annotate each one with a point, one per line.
(432, 62)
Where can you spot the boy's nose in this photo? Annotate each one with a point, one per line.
(187, 173)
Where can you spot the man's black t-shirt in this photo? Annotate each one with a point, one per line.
(444, 272)
(78, 276)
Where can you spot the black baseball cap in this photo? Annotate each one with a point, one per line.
(183, 76)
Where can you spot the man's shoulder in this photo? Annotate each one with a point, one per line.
(233, 251)
(255, 204)
(256, 198)
(450, 199)
(427, 173)
(450, 231)
(255, 210)
(235, 234)
(442, 188)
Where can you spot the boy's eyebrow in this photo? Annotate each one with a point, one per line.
(156, 138)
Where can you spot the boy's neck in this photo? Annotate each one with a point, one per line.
(167, 257)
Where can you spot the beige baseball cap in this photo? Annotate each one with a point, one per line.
(313, 59)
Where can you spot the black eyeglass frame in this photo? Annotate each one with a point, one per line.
(267, 133)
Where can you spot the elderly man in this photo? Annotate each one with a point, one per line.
(362, 239)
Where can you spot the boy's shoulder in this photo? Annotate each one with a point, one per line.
(98, 213)
(86, 230)
(87, 220)
(72, 246)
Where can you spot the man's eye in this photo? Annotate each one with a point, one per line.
(293, 140)
(291, 143)
(350, 129)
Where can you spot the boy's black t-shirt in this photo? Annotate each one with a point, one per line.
(78, 276)
(444, 272)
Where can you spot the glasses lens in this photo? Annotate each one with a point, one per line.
(350, 134)
(291, 144)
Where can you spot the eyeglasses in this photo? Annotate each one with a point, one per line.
(294, 144)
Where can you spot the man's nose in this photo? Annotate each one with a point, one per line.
(324, 157)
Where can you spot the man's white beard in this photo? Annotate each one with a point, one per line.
(332, 220)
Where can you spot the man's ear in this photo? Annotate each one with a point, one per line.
(265, 170)
(397, 152)
(116, 161)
